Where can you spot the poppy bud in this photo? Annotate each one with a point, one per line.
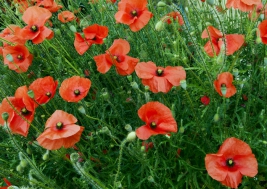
(130, 78)
(33, 181)
(131, 136)
(208, 24)
(5, 116)
(134, 85)
(143, 149)
(181, 130)
(183, 84)
(210, 2)
(81, 109)
(223, 90)
(73, 28)
(46, 155)
(104, 130)
(128, 127)
(147, 97)
(258, 40)
(159, 26)
(161, 4)
(30, 94)
(57, 32)
(150, 179)
(23, 163)
(235, 72)
(216, 117)
(29, 151)
(105, 95)
(9, 57)
(19, 169)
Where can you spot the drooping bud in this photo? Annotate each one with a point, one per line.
(73, 28)
(134, 85)
(128, 127)
(30, 94)
(210, 2)
(159, 25)
(131, 136)
(161, 4)
(183, 84)
(5, 116)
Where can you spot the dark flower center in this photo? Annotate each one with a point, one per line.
(34, 28)
(223, 85)
(117, 58)
(77, 92)
(230, 162)
(20, 57)
(24, 111)
(153, 125)
(159, 72)
(134, 13)
(59, 125)
(48, 94)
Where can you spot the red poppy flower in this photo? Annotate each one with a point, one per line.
(213, 47)
(20, 109)
(21, 58)
(36, 17)
(44, 89)
(175, 16)
(133, 13)
(225, 80)
(233, 160)
(263, 31)
(74, 89)
(10, 34)
(60, 131)
(117, 55)
(205, 100)
(66, 16)
(159, 79)
(254, 14)
(158, 119)
(93, 34)
(50, 5)
(7, 184)
(147, 145)
(243, 5)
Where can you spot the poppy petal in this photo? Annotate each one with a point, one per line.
(233, 43)
(103, 66)
(174, 74)
(145, 70)
(214, 166)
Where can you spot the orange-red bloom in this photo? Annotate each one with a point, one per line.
(50, 5)
(263, 31)
(158, 119)
(213, 47)
(60, 131)
(233, 160)
(36, 17)
(21, 58)
(205, 100)
(117, 55)
(93, 34)
(159, 79)
(243, 5)
(20, 109)
(74, 89)
(224, 82)
(66, 16)
(44, 89)
(175, 16)
(133, 13)
(9, 34)
(7, 183)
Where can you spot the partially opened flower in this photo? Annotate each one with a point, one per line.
(159, 79)
(9, 35)
(93, 34)
(205, 100)
(175, 16)
(18, 58)
(233, 160)
(215, 43)
(243, 5)
(133, 13)
(117, 55)
(223, 85)
(60, 131)
(50, 5)
(263, 31)
(20, 109)
(44, 89)
(66, 16)
(158, 120)
(74, 89)
(36, 17)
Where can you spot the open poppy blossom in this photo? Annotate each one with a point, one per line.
(233, 160)
(243, 5)
(21, 58)
(93, 34)
(214, 45)
(60, 131)
(263, 31)
(36, 17)
(74, 89)
(66, 16)
(50, 5)
(117, 55)
(133, 13)
(158, 120)
(175, 16)
(44, 89)
(159, 79)
(223, 85)
(20, 109)
(9, 34)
